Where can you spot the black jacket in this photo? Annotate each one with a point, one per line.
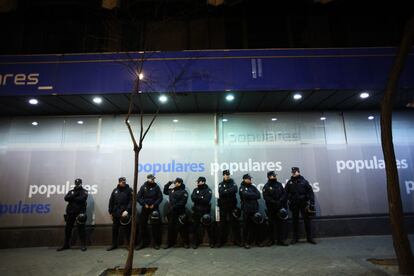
(120, 201)
(76, 199)
(201, 197)
(177, 198)
(274, 195)
(150, 194)
(249, 195)
(299, 191)
(227, 195)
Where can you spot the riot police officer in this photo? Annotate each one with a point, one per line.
(249, 196)
(177, 217)
(75, 212)
(227, 203)
(275, 198)
(202, 221)
(301, 198)
(149, 197)
(120, 208)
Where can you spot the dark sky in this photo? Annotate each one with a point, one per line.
(84, 26)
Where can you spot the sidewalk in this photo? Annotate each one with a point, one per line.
(331, 256)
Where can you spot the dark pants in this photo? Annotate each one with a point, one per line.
(175, 227)
(226, 218)
(278, 225)
(143, 233)
(296, 209)
(199, 229)
(116, 227)
(249, 228)
(70, 221)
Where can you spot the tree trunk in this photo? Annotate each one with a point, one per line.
(401, 242)
(129, 262)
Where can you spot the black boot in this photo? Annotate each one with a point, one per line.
(139, 246)
(282, 243)
(168, 246)
(112, 248)
(63, 248)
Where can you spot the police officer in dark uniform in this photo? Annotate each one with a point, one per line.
(249, 195)
(149, 197)
(75, 212)
(177, 217)
(227, 203)
(275, 197)
(120, 208)
(301, 197)
(201, 196)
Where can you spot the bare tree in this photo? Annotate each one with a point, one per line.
(135, 67)
(137, 143)
(400, 238)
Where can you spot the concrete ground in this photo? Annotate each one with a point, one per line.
(331, 256)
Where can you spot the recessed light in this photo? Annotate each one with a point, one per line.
(229, 97)
(323, 118)
(80, 122)
(224, 120)
(274, 119)
(297, 96)
(35, 123)
(364, 95)
(97, 100)
(371, 117)
(175, 121)
(163, 99)
(33, 101)
(141, 76)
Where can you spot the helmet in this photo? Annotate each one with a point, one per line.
(182, 219)
(125, 220)
(236, 213)
(258, 218)
(81, 218)
(310, 210)
(206, 220)
(154, 218)
(78, 181)
(283, 214)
